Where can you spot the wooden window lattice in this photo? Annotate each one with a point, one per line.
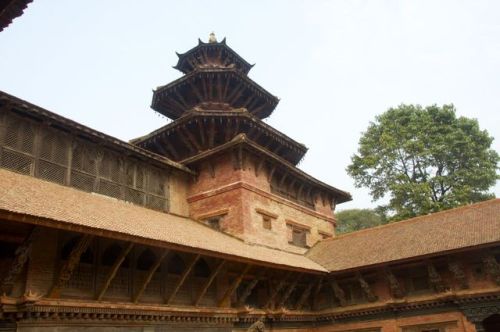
(60, 158)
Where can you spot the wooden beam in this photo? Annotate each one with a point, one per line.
(458, 272)
(304, 296)
(232, 288)
(271, 173)
(276, 290)
(248, 290)
(228, 132)
(184, 139)
(394, 286)
(194, 88)
(491, 266)
(192, 139)
(170, 147)
(226, 89)
(183, 278)
(150, 275)
(21, 257)
(181, 98)
(114, 269)
(366, 288)
(289, 291)
(69, 266)
(316, 292)
(201, 130)
(209, 282)
(259, 165)
(211, 134)
(338, 292)
(204, 86)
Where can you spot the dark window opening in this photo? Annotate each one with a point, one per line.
(176, 265)
(146, 260)
(201, 269)
(111, 254)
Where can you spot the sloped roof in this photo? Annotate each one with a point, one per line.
(10, 9)
(472, 225)
(64, 207)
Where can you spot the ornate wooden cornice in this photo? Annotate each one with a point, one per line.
(197, 89)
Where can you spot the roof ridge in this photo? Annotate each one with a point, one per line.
(417, 218)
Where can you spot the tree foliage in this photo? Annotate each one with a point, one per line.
(351, 220)
(425, 160)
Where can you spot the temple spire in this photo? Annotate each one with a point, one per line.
(211, 38)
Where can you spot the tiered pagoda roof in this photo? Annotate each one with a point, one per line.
(213, 106)
(216, 79)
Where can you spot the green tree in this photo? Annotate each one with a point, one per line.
(424, 160)
(355, 219)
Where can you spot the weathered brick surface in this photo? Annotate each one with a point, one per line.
(242, 193)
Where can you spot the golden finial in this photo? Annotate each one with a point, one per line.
(211, 38)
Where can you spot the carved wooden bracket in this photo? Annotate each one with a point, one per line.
(458, 273)
(492, 267)
(366, 288)
(276, 291)
(289, 291)
(22, 255)
(68, 267)
(209, 282)
(183, 278)
(394, 285)
(114, 269)
(304, 296)
(149, 275)
(339, 293)
(232, 288)
(435, 279)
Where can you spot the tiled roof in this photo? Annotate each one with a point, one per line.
(451, 230)
(10, 9)
(66, 207)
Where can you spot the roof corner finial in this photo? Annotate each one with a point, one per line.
(211, 38)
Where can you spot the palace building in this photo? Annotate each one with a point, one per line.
(207, 224)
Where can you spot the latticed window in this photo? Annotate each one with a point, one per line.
(36, 149)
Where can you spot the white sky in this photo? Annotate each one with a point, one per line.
(334, 64)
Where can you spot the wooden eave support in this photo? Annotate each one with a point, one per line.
(248, 290)
(276, 290)
(304, 297)
(209, 282)
(435, 278)
(491, 266)
(114, 269)
(22, 255)
(394, 285)
(194, 88)
(68, 267)
(366, 288)
(289, 291)
(192, 139)
(458, 272)
(232, 288)
(338, 292)
(150, 275)
(211, 134)
(170, 147)
(183, 278)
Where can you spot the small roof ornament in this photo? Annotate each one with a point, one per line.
(211, 38)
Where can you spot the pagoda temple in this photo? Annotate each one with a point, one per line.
(207, 224)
